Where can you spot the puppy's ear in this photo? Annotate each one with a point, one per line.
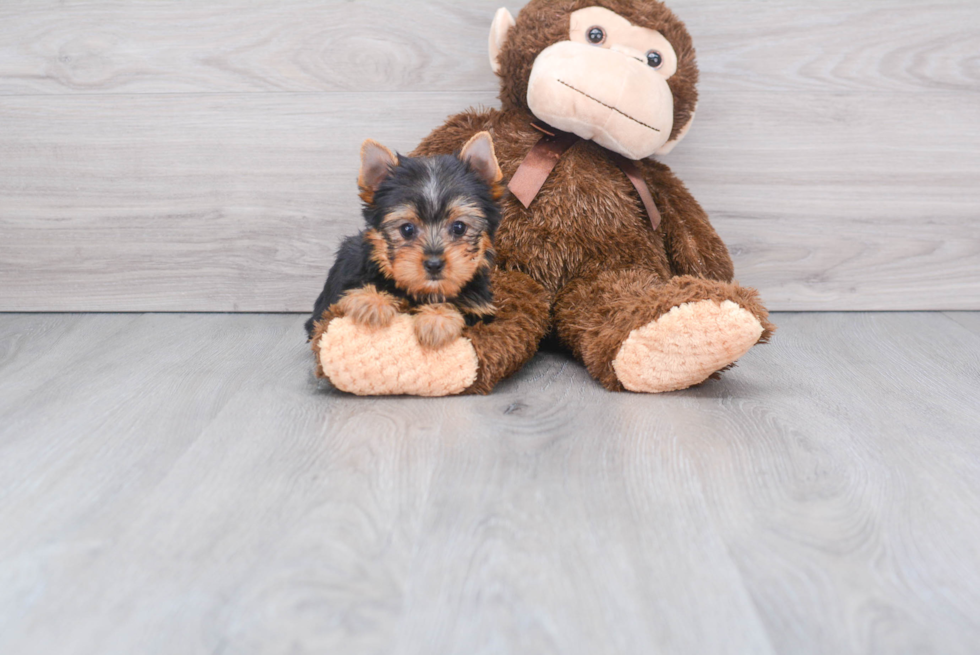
(479, 154)
(376, 164)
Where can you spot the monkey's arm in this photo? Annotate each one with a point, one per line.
(522, 319)
(693, 246)
(455, 132)
(390, 361)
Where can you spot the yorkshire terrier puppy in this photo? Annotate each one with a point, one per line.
(428, 246)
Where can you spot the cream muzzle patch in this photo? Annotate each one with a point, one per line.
(602, 84)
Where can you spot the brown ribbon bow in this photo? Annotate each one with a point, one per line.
(544, 156)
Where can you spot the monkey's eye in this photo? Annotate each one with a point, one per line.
(596, 35)
(407, 230)
(457, 229)
(655, 59)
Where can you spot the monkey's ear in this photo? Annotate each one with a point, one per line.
(667, 147)
(376, 163)
(502, 22)
(480, 155)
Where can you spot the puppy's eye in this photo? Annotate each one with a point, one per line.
(596, 35)
(457, 229)
(407, 230)
(655, 59)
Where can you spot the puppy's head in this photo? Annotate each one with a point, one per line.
(431, 219)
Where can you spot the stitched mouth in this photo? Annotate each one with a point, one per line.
(622, 113)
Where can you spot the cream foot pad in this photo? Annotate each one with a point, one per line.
(685, 346)
(390, 361)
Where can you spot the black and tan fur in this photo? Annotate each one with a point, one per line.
(427, 249)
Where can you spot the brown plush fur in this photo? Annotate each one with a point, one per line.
(595, 316)
(586, 244)
(587, 212)
(522, 320)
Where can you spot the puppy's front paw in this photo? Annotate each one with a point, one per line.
(437, 326)
(369, 307)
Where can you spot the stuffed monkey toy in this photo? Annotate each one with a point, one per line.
(599, 244)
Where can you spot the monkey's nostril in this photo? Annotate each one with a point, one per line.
(434, 265)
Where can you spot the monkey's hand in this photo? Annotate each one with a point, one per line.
(389, 361)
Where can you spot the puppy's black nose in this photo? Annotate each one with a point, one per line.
(434, 265)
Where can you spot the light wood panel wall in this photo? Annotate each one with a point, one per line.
(201, 156)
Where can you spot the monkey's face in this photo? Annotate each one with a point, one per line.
(607, 76)
(607, 83)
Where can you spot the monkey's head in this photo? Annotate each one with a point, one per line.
(621, 73)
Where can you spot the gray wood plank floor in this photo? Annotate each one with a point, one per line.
(175, 156)
(182, 484)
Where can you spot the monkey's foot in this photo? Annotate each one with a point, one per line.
(685, 346)
(390, 361)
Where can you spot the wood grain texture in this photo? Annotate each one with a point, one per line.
(177, 211)
(111, 47)
(172, 157)
(969, 320)
(182, 484)
(157, 207)
(173, 46)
